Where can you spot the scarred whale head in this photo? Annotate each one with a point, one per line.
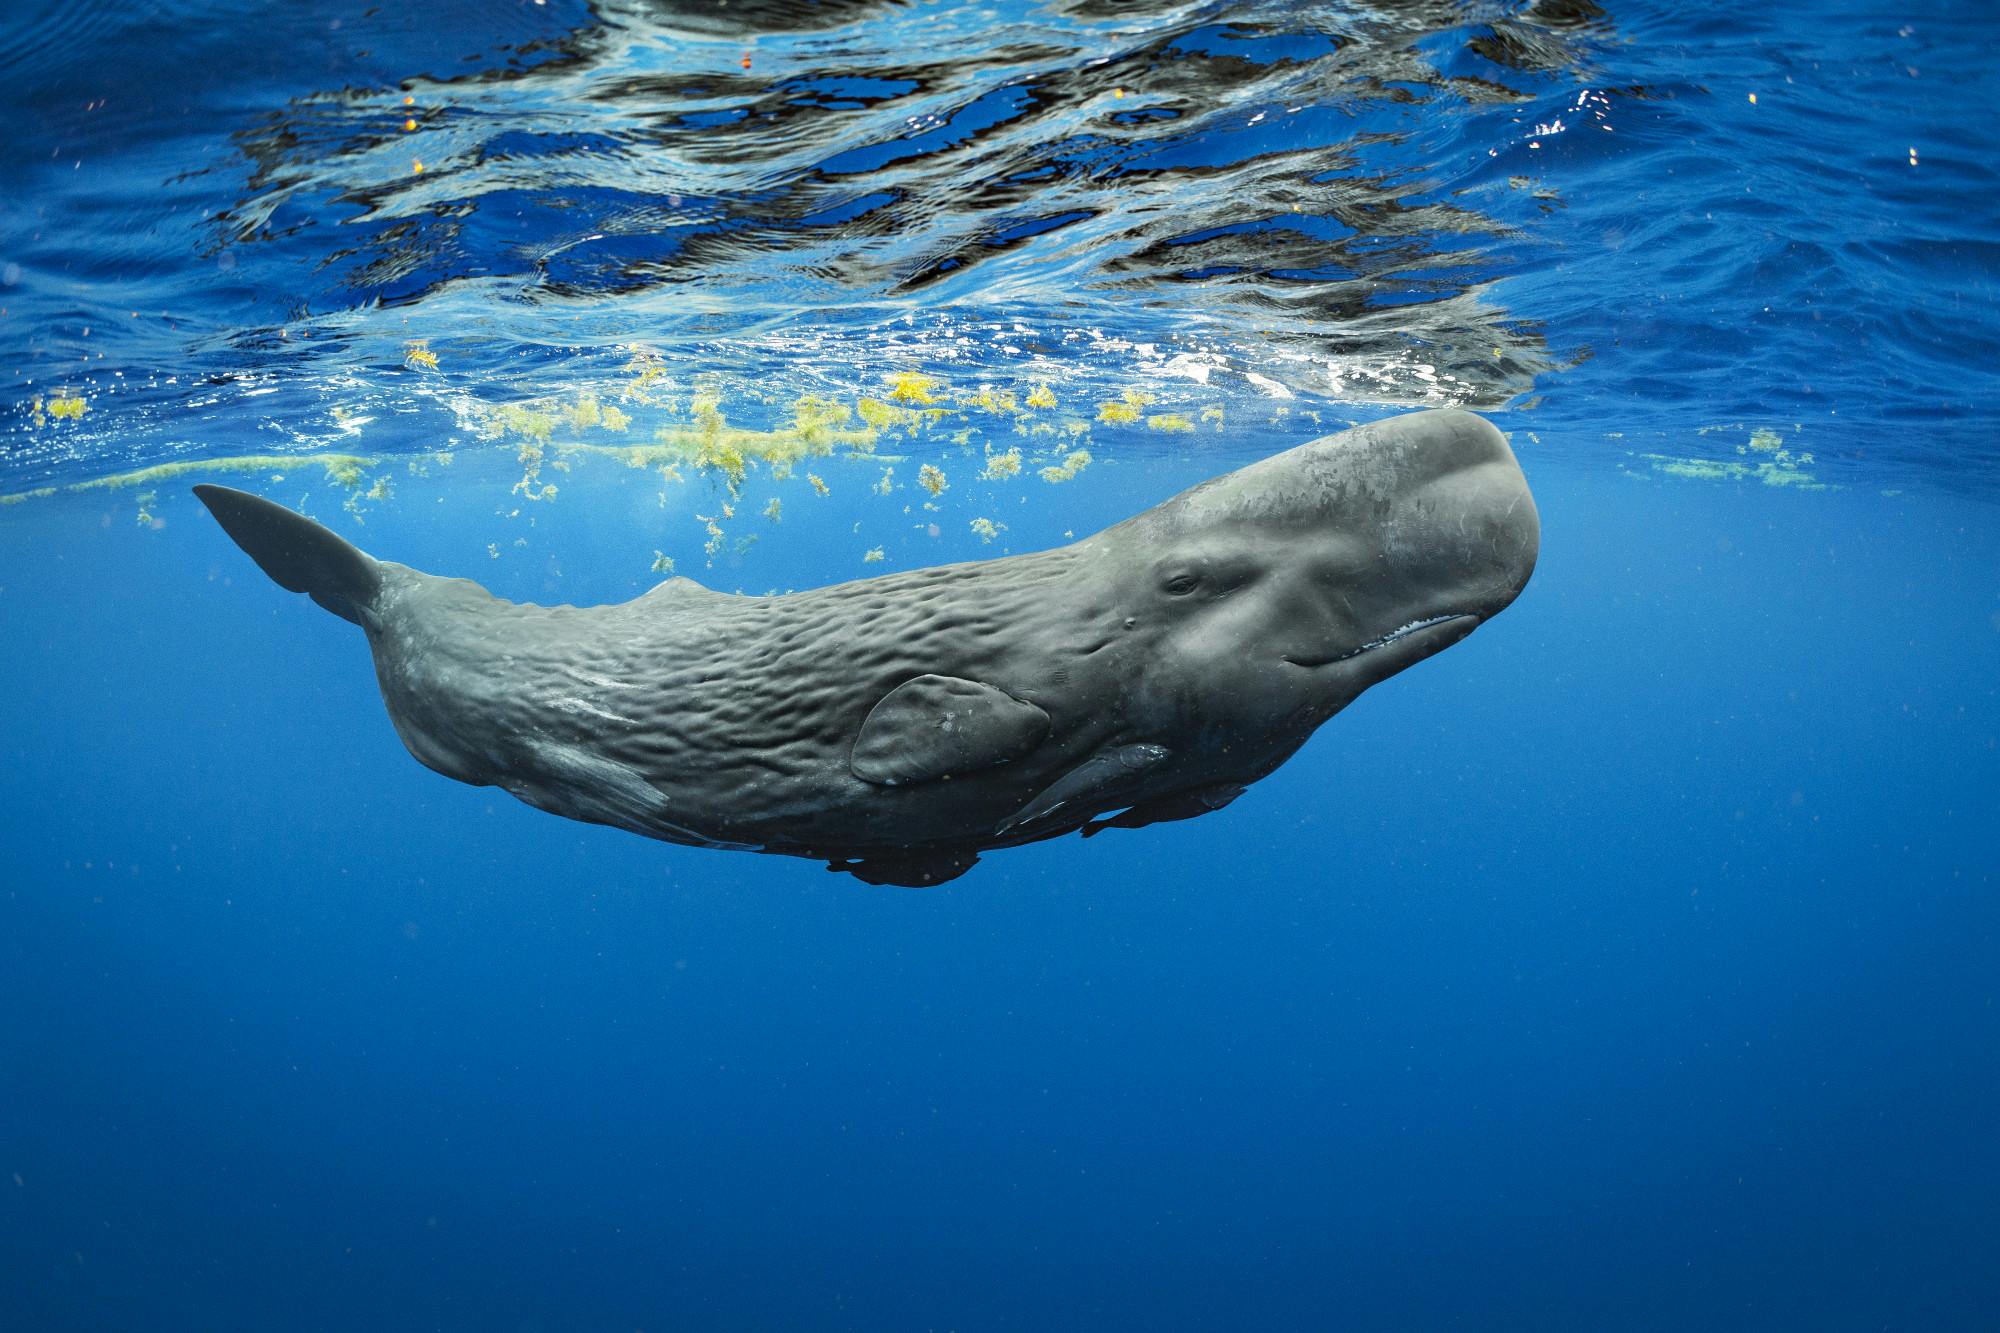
(1277, 593)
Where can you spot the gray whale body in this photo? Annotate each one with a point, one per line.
(897, 727)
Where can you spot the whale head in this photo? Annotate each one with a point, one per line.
(1276, 594)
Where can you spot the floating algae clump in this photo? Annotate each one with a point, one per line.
(528, 422)
(999, 467)
(774, 510)
(419, 356)
(1075, 463)
(713, 445)
(1170, 422)
(884, 486)
(1700, 469)
(932, 480)
(1782, 467)
(872, 555)
(345, 472)
(910, 387)
(341, 470)
(715, 535)
(67, 407)
(1000, 402)
(648, 371)
(662, 563)
(881, 416)
(1124, 411)
(711, 453)
(818, 484)
(821, 423)
(380, 491)
(531, 484)
(986, 529)
(1042, 396)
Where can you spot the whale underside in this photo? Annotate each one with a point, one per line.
(900, 726)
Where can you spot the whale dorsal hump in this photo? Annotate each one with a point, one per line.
(938, 727)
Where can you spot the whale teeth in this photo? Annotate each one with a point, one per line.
(1381, 641)
(1400, 632)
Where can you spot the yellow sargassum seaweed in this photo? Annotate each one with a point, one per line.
(999, 467)
(1125, 410)
(910, 387)
(1077, 461)
(341, 470)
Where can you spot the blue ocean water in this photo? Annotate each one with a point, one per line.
(1631, 964)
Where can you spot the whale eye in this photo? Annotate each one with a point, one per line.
(1180, 585)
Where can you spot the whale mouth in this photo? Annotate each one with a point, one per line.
(1394, 636)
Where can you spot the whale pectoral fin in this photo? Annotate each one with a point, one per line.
(1182, 805)
(914, 870)
(1095, 782)
(937, 727)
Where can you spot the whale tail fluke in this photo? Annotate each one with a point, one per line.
(299, 554)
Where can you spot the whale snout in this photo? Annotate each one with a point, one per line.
(1463, 539)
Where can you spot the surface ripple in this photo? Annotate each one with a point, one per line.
(222, 207)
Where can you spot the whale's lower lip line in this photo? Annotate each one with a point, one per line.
(1394, 635)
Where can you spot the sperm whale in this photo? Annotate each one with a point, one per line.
(898, 727)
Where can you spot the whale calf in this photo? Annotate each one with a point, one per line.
(897, 727)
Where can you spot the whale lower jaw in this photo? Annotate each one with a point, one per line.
(1394, 636)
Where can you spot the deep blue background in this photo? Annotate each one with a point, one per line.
(1629, 965)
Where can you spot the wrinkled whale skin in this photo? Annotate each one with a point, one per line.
(899, 726)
